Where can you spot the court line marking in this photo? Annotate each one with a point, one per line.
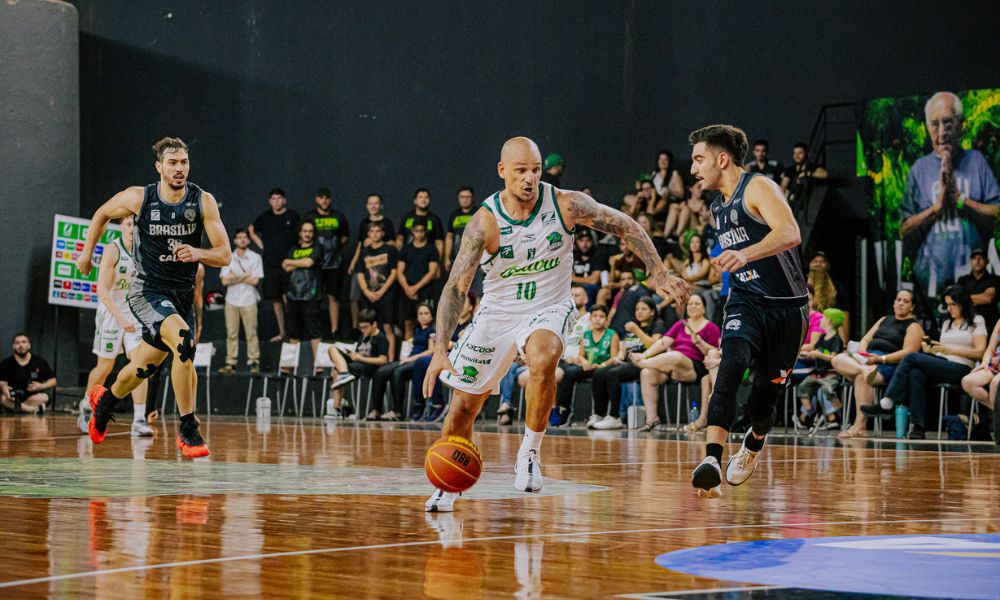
(61, 437)
(494, 538)
(832, 459)
(671, 594)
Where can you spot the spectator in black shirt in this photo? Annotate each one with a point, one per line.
(416, 269)
(374, 207)
(332, 234)
(982, 286)
(588, 265)
(303, 266)
(553, 169)
(796, 178)
(421, 208)
(371, 352)
(762, 163)
(457, 221)
(275, 231)
(377, 279)
(24, 379)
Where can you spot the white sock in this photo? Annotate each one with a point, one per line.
(886, 402)
(84, 404)
(532, 440)
(139, 414)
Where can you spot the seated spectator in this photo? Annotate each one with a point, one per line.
(982, 286)
(647, 200)
(597, 348)
(804, 365)
(377, 280)
(400, 372)
(677, 356)
(695, 269)
(963, 341)
(302, 264)
(986, 374)
(416, 270)
(762, 162)
(797, 178)
(696, 213)
(666, 179)
(25, 379)
(433, 412)
(645, 220)
(628, 283)
(640, 335)
(372, 352)
(588, 265)
(829, 293)
(889, 340)
(506, 411)
(821, 383)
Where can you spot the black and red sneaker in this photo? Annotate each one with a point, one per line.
(102, 413)
(190, 443)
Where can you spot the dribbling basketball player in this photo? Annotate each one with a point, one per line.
(522, 237)
(171, 216)
(765, 316)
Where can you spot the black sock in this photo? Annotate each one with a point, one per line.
(752, 443)
(715, 451)
(107, 403)
(188, 423)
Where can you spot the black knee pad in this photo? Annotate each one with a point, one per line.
(736, 358)
(760, 405)
(185, 350)
(147, 372)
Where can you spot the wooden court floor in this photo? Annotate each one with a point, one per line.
(302, 508)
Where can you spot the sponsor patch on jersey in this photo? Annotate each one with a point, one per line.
(531, 253)
(507, 230)
(555, 240)
(154, 215)
(734, 217)
(122, 269)
(506, 251)
(539, 266)
(189, 214)
(549, 217)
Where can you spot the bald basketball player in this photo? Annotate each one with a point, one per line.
(522, 238)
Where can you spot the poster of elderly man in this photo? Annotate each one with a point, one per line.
(935, 197)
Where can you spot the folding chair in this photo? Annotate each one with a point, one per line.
(289, 359)
(944, 388)
(322, 374)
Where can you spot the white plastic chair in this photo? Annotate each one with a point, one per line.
(289, 359)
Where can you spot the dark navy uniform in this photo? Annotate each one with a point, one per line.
(163, 285)
(768, 301)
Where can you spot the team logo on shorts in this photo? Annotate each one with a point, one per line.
(189, 214)
(167, 304)
(469, 374)
(109, 346)
(782, 378)
(555, 240)
(733, 325)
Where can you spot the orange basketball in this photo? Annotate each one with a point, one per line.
(453, 464)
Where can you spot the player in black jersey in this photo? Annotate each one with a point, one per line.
(766, 313)
(171, 216)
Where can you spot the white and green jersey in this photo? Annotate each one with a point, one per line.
(533, 266)
(124, 273)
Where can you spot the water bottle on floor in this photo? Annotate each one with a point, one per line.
(902, 420)
(263, 405)
(692, 412)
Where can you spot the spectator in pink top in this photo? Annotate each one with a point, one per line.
(679, 356)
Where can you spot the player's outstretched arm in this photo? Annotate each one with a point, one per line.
(479, 233)
(124, 203)
(763, 197)
(584, 210)
(219, 255)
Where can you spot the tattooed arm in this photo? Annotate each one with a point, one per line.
(481, 233)
(582, 209)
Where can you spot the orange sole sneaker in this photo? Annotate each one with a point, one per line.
(94, 395)
(191, 451)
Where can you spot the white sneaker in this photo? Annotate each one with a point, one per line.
(342, 380)
(592, 420)
(141, 428)
(333, 414)
(528, 472)
(609, 422)
(707, 478)
(742, 464)
(84, 417)
(441, 501)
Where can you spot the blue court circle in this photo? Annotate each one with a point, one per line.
(943, 566)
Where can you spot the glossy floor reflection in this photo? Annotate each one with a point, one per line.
(300, 508)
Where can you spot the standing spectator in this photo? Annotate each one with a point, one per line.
(377, 280)
(275, 231)
(963, 341)
(762, 162)
(399, 373)
(332, 234)
(421, 208)
(241, 278)
(828, 291)
(371, 352)
(981, 286)
(554, 166)
(796, 178)
(457, 221)
(374, 207)
(302, 264)
(24, 379)
(588, 265)
(416, 269)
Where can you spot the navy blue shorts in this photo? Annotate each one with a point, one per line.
(151, 306)
(775, 333)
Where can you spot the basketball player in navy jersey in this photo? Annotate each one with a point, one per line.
(766, 313)
(170, 217)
